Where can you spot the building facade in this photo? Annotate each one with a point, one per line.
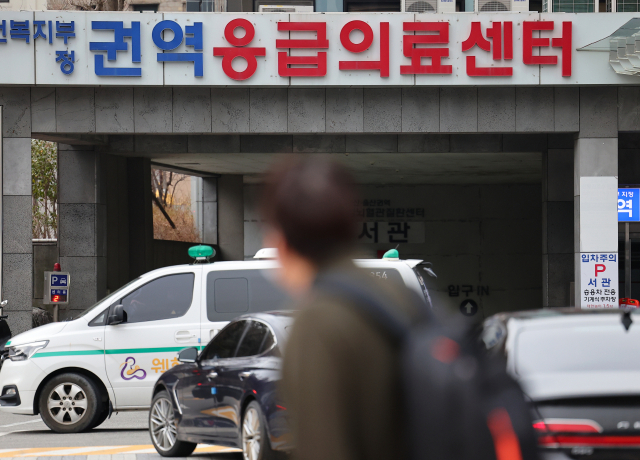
(490, 145)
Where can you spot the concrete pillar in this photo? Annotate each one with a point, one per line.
(231, 217)
(209, 209)
(117, 222)
(557, 222)
(140, 216)
(595, 179)
(82, 225)
(17, 258)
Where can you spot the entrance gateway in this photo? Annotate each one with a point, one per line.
(456, 125)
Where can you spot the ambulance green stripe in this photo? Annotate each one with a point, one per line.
(67, 353)
(117, 351)
(8, 343)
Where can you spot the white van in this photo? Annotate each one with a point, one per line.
(75, 373)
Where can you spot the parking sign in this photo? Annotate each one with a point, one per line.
(59, 280)
(56, 287)
(599, 280)
(629, 205)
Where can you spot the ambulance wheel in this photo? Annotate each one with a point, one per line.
(164, 429)
(100, 418)
(69, 403)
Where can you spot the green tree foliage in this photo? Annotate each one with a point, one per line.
(44, 187)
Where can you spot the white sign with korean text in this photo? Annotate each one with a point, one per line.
(391, 232)
(332, 49)
(599, 280)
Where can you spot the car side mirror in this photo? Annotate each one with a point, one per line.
(188, 355)
(117, 315)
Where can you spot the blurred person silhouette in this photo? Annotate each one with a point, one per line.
(341, 371)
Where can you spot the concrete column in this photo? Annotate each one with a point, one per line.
(140, 216)
(17, 258)
(209, 208)
(595, 177)
(82, 225)
(231, 217)
(557, 223)
(117, 222)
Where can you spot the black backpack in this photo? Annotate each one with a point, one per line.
(460, 403)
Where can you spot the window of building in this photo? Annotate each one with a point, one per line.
(359, 6)
(146, 7)
(573, 6)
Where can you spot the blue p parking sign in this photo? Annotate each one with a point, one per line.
(629, 205)
(56, 287)
(58, 280)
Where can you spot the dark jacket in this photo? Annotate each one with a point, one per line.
(341, 379)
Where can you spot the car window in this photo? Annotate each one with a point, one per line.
(268, 341)
(163, 298)
(253, 339)
(232, 292)
(224, 344)
(231, 295)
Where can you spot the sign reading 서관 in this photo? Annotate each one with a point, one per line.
(279, 49)
(629, 205)
(599, 280)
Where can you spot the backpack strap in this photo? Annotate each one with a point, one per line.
(374, 307)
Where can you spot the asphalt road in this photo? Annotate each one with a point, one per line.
(123, 437)
(124, 428)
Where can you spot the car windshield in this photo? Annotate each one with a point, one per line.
(109, 296)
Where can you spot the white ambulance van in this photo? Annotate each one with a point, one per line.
(75, 373)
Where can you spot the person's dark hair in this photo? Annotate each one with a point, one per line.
(311, 200)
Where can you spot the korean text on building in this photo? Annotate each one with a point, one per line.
(78, 48)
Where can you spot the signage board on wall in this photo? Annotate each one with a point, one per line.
(391, 232)
(629, 205)
(599, 280)
(56, 287)
(279, 49)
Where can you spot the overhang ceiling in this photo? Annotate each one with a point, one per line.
(382, 168)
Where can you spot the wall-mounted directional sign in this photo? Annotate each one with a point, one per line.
(56, 287)
(629, 205)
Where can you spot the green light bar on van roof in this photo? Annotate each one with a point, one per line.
(391, 254)
(201, 252)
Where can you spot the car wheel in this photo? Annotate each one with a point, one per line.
(69, 403)
(100, 418)
(164, 429)
(255, 441)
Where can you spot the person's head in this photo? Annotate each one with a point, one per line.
(308, 204)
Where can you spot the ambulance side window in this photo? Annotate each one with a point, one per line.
(233, 292)
(163, 298)
(101, 319)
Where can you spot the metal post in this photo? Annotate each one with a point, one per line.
(627, 261)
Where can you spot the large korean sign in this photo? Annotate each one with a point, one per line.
(599, 280)
(275, 49)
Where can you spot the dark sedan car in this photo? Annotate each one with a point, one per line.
(227, 394)
(580, 371)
